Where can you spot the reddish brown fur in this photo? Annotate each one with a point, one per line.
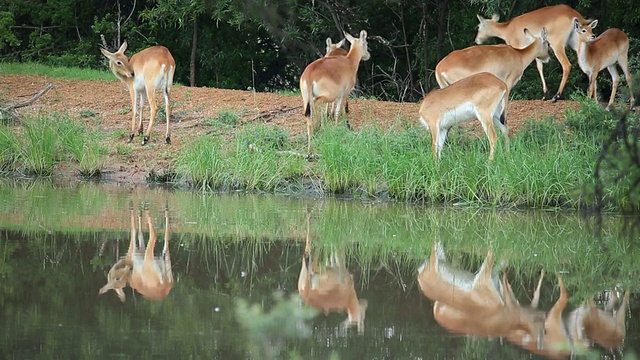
(150, 276)
(330, 79)
(503, 61)
(481, 96)
(605, 51)
(557, 19)
(144, 73)
(330, 288)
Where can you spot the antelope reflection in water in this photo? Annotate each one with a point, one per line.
(479, 304)
(328, 286)
(149, 275)
(576, 332)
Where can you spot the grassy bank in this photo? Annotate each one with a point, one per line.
(548, 165)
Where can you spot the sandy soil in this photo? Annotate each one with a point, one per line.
(107, 104)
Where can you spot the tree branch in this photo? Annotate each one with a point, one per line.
(10, 110)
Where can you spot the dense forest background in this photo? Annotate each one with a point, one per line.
(265, 45)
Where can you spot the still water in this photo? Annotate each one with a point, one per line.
(220, 275)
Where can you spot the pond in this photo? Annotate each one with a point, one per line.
(228, 288)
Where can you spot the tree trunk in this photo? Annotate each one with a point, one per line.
(192, 61)
(425, 46)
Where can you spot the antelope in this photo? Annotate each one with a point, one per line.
(144, 73)
(150, 276)
(604, 327)
(476, 305)
(557, 19)
(605, 51)
(336, 50)
(482, 96)
(504, 61)
(330, 288)
(330, 79)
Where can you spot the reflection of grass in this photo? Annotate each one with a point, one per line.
(268, 332)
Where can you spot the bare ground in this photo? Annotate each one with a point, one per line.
(107, 104)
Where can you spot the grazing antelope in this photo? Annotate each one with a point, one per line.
(330, 288)
(481, 96)
(149, 275)
(557, 19)
(330, 79)
(144, 73)
(504, 61)
(604, 327)
(605, 51)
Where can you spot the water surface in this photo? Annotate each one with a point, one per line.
(58, 243)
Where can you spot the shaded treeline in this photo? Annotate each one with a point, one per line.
(265, 45)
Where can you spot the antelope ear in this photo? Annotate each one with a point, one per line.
(104, 289)
(593, 24)
(349, 37)
(363, 35)
(544, 35)
(340, 43)
(123, 47)
(480, 18)
(106, 53)
(576, 24)
(495, 17)
(328, 42)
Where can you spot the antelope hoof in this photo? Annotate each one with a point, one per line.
(556, 97)
(544, 96)
(131, 137)
(145, 140)
(168, 139)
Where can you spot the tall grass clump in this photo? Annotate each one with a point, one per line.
(255, 160)
(261, 162)
(83, 146)
(36, 147)
(350, 161)
(204, 163)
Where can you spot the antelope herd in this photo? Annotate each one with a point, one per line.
(329, 80)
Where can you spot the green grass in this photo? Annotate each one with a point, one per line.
(42, 142)
(547, 165)
(55, 71)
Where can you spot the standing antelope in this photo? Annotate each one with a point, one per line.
(504, 61)
(150, 276)
(330, 79)
(144, 73)
(605, 51)
(482, 96)
(336, 50)
(330, 288)
(557, 19)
